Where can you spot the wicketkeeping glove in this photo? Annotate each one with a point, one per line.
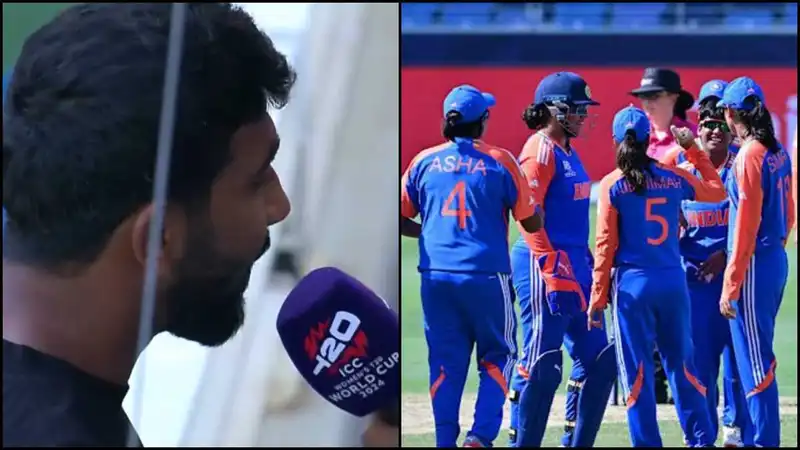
(563, 292)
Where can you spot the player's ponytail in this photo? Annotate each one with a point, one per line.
(453, 128)
(536, 117)
(633, 161)
(758, 125)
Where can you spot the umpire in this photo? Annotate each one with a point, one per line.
(661, 91)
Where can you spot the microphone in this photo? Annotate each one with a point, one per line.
(345, 341)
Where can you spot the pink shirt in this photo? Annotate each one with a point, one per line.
(659, 147)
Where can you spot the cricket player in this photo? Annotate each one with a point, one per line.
(463, 190)
(666, 103)
(651, 300)
(703, 248)
(552, 276)
(762, 212)
(794, 179)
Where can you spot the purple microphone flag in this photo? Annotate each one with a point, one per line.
(344, 340)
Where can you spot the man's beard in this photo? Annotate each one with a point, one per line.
(207, 306)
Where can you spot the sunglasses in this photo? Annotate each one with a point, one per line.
(715, 125)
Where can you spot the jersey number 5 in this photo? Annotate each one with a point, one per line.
(660, 220)
(459, 195)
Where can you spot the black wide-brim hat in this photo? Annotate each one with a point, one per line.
(664, 80)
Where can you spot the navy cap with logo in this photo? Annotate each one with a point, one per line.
(468, 101)
(566, 87)
(655, 80)
(631, 118)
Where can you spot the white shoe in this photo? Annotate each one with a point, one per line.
(731, 437)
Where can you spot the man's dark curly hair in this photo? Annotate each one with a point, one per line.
(81, 119)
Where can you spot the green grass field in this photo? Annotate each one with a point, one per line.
(417, 425)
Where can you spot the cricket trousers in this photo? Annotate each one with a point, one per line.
(713, 344)
(753, 333)
(540, 366)
(651, 306)
(463, 311)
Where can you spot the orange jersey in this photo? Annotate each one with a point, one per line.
(794, 178)
(562, 187)
(762, 210)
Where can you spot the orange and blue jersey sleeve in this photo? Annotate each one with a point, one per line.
(409, 189)
(408, 192)
(793, 199)
(671, 158)
(748, 175)
(537, 161)
(709, 189)
(606, 240)
(521, 198)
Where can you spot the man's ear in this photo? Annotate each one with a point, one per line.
(171, 244)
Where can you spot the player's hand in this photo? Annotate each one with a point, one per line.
(594, 316)
(683, 136)
(726, 308)
(562, 291)
(712, 266)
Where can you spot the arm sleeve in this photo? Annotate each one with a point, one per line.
(606, 243)
(520, 196)
(748, 218)
(793, 197)
(670, 159)
(407, 194)
(710, 188)
(538, 164)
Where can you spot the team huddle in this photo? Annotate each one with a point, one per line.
(689, 256)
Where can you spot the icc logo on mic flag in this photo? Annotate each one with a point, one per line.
(343, 339)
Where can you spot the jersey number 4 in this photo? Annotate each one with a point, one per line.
(458, 196)
(657, 218)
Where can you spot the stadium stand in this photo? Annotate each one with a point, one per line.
(790, 15)
(727, 17)
(638, 15)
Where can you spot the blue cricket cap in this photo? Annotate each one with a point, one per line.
(566, 87)
(712, 89)
(467, 100)
(631, 118)
(742, 93)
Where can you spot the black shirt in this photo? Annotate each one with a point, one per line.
(48, 402)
